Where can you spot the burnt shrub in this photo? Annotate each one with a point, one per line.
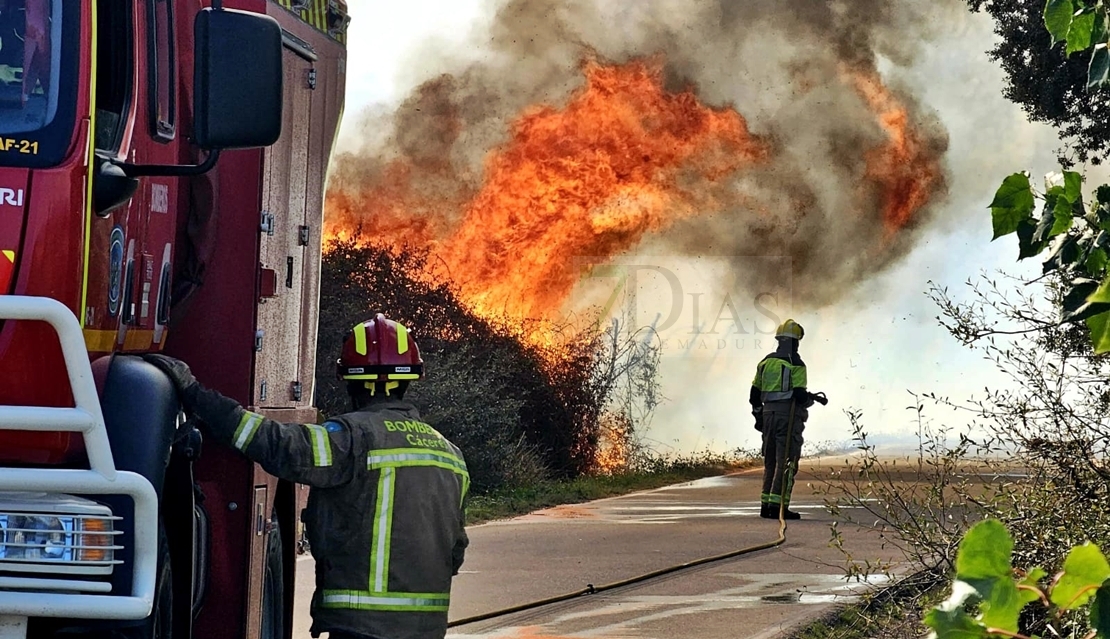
(520, 409)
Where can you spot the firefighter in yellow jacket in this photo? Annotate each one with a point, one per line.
(386, 513)
(779, 392)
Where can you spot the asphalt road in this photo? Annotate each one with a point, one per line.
(562, 549)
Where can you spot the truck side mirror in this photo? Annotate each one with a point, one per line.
(237, 82)
(112, 187)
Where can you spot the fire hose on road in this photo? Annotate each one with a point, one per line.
(591, 589)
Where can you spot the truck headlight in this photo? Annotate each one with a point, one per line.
(56, 534)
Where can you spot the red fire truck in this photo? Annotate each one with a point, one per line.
(162, 169)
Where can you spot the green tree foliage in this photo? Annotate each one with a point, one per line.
(1040, 48)
(989, 595)
(1076, 236)
(1075, 232)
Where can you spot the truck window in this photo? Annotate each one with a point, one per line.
(113, 71)
(163, 71)
(30, 60)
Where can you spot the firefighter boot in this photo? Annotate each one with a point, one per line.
(771, 511)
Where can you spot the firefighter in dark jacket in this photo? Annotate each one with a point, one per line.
(779, 392)
(386, 513)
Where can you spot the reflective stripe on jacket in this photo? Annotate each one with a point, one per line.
(776, 378)
(385, 518)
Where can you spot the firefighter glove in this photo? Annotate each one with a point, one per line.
(820, 398)
(758, 414)
(179, 373)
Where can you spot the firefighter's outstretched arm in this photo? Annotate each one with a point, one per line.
(803, 397)
(319, 456)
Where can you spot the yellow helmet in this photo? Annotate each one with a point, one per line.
(791, 329)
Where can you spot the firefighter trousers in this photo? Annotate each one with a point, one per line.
(778, 467)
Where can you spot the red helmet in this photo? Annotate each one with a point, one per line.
(379, 350)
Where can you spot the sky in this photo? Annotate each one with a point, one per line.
(870, 349)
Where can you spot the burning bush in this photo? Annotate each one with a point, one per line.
(520, 407)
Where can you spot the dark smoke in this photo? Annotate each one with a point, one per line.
(780, 63)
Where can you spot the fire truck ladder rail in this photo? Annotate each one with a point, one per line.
(101, 478)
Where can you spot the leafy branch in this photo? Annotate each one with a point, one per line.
(1075, 232)
(988, 595)
(1082, 25)
(1077, 236)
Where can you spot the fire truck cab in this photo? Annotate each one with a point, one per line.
(162, 174)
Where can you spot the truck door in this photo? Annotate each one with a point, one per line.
(285, 341)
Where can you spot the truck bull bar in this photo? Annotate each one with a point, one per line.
(102, 478)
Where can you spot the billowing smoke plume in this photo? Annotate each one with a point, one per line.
(588, 128)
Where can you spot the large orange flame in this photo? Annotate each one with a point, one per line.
(390, 210)
(583, 183)
(905, 174)
(588, 181)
